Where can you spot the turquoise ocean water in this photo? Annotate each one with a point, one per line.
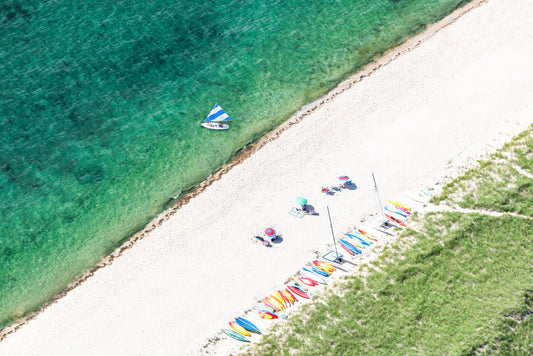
(101, 101)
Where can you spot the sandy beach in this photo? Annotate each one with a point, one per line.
(433, 106)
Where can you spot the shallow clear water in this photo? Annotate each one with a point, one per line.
(101, 103)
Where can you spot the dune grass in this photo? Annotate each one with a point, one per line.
(501, 183)
(464, 287)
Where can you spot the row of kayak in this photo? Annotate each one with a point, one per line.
(361, 238)
(314, 275)
(299, 289)
(242, 329)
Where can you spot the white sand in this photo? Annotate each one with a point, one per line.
(460, 94)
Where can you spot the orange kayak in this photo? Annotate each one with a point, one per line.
(395, 220)
(325, 266)
(278, 301)
(272, 304)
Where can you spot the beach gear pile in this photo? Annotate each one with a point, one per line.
(303, 208)
(342, 182)
(269, 235)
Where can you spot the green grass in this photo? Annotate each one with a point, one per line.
(497, 184)
(464, 287)
(517, 338)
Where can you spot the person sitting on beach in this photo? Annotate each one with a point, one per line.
(308, 210)
(325, 190)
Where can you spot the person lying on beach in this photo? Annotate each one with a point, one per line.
(263, 241)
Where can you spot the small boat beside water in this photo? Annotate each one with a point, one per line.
(216, 118)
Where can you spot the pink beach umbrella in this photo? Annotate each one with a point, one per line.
(343, 178)
(270, 232)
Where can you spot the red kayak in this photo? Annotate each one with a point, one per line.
(287, 301)
(308, 281)
(298, 292)
(267, 315)
(348, 250)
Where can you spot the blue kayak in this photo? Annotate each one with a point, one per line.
(320, 272)
(248, 325)
(295, 285)
(395, 211)
(314, 275)
(350, 246)
(361, 236)
(358, 238)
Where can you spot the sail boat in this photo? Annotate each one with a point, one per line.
(215, 119)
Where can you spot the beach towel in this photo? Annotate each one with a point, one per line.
(296, 212)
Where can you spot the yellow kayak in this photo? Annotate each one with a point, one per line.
(288, 295)
(239, 328)
(398, 204)
(280, 297)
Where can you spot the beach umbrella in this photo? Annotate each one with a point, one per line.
(270, 232)
(343, 178)
(301, 201)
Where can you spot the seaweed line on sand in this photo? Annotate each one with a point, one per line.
(388, 57)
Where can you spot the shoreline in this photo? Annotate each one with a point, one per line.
(306, 111)
(386, 58)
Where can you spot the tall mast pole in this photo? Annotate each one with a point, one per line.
(333, 234)
(379, 199)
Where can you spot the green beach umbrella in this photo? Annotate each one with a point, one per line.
(301, 201)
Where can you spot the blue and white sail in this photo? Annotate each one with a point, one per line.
(217, 114)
